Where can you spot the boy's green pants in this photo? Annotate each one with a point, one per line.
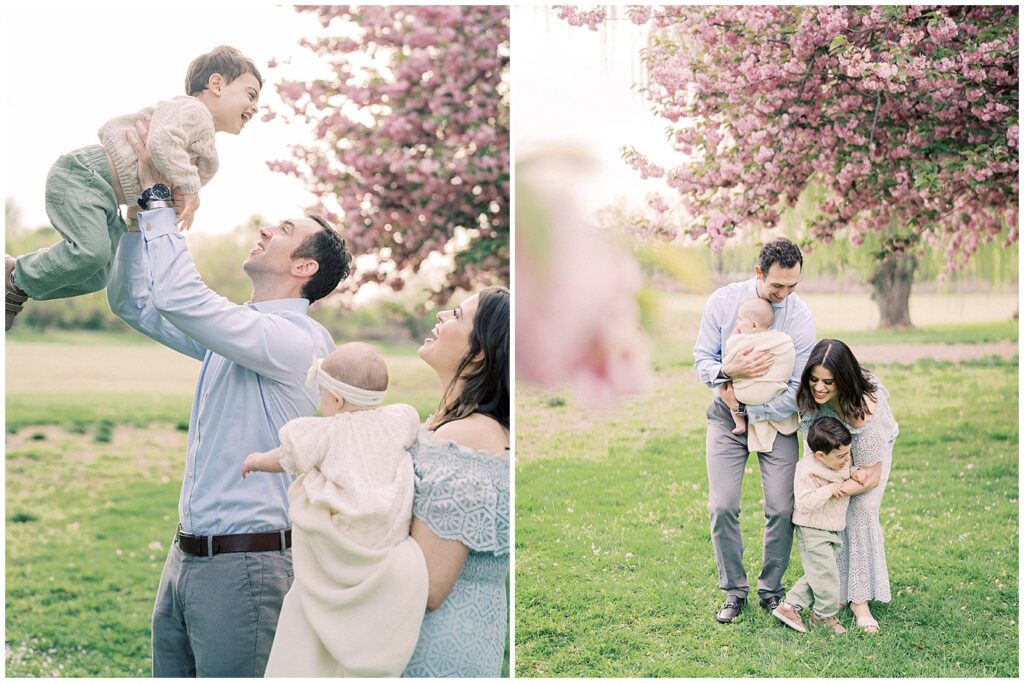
(819, 586)
(82, 207)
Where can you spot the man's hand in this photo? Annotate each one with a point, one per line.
(748, 364)
(185, 206)
(859, 475)
(261, 462)
(148, 173)
(728, 395)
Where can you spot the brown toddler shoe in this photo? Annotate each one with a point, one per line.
(790, 616)
(14, 299)
(832, 624)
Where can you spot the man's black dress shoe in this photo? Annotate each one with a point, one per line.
(730, 610)
(771, 603)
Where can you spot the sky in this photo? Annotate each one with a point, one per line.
(65, 77)
(574, 86)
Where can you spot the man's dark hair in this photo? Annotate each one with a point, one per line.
(828, 434)
(224, 60)
(327, 248)
(781, 250)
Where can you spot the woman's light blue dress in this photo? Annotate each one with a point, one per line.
(863, 571)
(463, 495)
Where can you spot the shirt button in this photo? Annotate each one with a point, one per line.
(149, 227)
(190, 473)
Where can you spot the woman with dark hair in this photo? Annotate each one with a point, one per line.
(461, 502)
(834, 384)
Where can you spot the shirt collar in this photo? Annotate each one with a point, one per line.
(299, 305)
(753, 289)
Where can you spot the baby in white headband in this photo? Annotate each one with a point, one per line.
(356, 603)
(356, 456)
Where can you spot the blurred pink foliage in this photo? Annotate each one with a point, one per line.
(577, 312)
(907, 114)
(412, 134)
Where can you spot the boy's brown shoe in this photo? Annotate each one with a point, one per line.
(832, 624)
(790, 616)
(14, 299)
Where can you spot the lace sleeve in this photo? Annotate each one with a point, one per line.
(304, 441)
(464, 496)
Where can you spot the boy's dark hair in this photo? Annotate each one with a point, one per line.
(781, 250)
(828, 434)
(223, 60)
(327, 248)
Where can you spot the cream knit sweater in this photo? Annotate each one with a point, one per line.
(181, 142)
(759, 390)
(815, 507)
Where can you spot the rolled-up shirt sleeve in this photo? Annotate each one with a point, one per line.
(707, 351)
(272, 345)
(130, 298)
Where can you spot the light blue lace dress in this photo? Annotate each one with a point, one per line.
(863, 571)
(463, 495)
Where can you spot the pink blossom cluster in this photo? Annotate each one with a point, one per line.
(577, 312)
(907, 114)
(415, 145)
(576, 17)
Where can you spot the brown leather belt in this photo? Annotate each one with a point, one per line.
(206, 546)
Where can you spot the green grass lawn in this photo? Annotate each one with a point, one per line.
(92, 482)
(615, 574)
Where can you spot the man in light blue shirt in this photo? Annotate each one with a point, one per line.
(777, 275)
(230, 564)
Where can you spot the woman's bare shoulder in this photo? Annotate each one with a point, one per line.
(478, 431)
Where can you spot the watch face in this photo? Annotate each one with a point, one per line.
(161, 191)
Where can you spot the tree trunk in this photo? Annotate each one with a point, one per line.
(892, 281)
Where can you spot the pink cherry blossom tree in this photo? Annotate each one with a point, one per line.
(908, 116)
(411, 145)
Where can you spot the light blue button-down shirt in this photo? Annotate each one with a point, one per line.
(719, 321)
(255, 359)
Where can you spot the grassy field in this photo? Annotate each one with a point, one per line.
(96, 433)
(846, 314)
(978, 319)
(615, 574)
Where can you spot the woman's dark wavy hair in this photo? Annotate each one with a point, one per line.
(485, 383)
(851, 380)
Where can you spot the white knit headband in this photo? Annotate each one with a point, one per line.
(354, 395)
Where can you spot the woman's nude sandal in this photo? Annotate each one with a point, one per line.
(867, 624)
